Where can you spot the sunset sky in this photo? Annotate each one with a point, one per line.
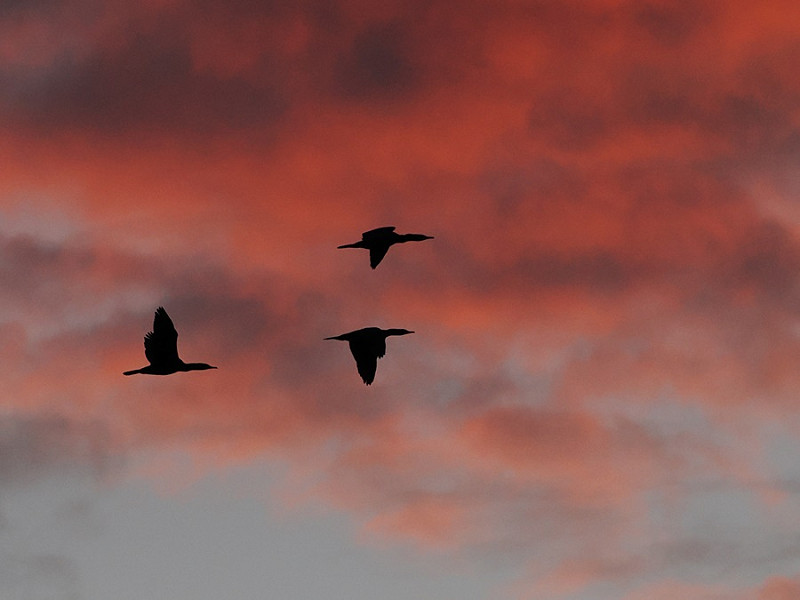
(602, 397)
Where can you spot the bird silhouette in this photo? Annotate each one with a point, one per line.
(161, 349)
(377, 241)
(367, 346)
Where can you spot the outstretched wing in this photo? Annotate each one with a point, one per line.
(376, 233)
(161, 344)
(376, 254)
(366, 362)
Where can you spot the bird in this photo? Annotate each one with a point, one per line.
(161, 349)
(367, 346)
(377, 241)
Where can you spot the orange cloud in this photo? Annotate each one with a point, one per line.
(602, 256)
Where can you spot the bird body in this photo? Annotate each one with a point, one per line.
(367, 346)
(378, 241)
(178, 367)
(161, 349)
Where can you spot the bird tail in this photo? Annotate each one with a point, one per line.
(134, 372)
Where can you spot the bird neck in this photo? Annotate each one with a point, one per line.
(195, 367)
(389, 332)
(412, 237)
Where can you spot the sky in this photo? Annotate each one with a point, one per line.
(600, 399)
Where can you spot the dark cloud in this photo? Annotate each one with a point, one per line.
(15, 8)
(766, 262)
(570, 120)
(45, 576)
(673, 22)
(33, 446)
(148, 83)
(380, 64)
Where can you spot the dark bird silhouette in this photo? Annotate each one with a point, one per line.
(367, 346)
(161, 349)
(377, 241)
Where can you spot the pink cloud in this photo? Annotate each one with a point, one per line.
(600, 254)
(779, 588)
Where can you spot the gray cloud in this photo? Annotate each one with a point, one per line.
(39, 577)
(33, 446)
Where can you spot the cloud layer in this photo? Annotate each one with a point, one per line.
(607, 323)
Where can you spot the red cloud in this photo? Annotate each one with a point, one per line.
(601, 257)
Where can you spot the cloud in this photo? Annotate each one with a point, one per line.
(606, 321)
(149, 83)
(33, 446)
(378, 63)
(22, 6)
(671, 589)
(38, 576)
(779, 588)
(775, 588)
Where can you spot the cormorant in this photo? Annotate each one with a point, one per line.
(377, 241)
(367, 346)
(161, 349)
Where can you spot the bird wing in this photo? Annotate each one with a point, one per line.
(376, 254)
(366, 362)
(161, 344)
(376, 233)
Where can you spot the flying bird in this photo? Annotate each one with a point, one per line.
(377, 241)
(161, 349)
(367, 346)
